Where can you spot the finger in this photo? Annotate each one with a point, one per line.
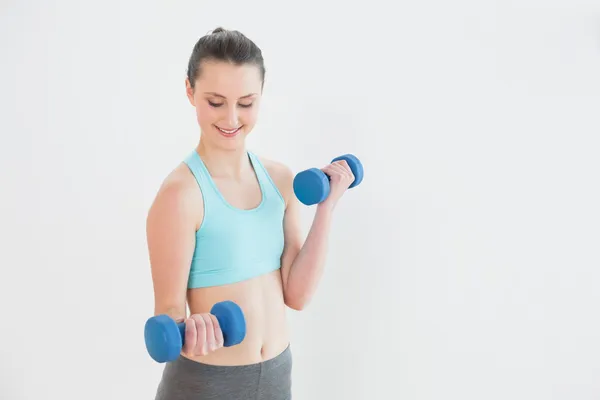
(343, 163)
(329, 169)
(190, 336)
(336, 171)
(200, 347)
(339, 168)
(210, 333)
(345, 169)
(219, 340)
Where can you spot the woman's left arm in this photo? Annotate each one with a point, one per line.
(303, 261)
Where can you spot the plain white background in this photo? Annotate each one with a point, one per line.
(466, 265)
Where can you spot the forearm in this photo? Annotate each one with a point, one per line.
(307, 268)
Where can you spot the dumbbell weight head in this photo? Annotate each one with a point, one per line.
(231, 321)
(311, 186)
(165, 338)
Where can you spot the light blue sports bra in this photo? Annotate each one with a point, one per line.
(233, 244)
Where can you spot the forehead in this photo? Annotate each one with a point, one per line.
(228, 79)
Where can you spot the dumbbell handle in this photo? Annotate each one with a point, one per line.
(181, 328)
(165, 337)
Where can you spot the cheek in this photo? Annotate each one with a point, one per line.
(249, 116)
(205, 114)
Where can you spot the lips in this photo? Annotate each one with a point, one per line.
(229, 132)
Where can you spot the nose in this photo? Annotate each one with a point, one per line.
(232, 117)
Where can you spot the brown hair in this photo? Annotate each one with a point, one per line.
(224, 45)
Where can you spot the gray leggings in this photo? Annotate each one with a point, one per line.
(185, 379)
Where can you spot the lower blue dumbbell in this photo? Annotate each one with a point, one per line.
(312, 185)
(165, 338)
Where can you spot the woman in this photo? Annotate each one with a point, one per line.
(225, 226)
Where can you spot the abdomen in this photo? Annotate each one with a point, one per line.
(261, 300)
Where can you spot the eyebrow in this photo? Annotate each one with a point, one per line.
(220, 95)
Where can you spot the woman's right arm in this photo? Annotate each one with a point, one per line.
(170, 230)
(171, 226)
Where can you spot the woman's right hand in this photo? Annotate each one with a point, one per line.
(203, 335)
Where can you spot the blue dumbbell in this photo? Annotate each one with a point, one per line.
(312, 185)
(165, 338)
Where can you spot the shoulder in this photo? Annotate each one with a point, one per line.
(281, 174)
(178, 196)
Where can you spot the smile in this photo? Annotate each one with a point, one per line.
(229, 132)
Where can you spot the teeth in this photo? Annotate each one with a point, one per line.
(228, 131)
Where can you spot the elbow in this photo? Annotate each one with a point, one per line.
(295, 306)
(297, 303)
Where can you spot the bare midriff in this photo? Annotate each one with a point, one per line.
(261, 300)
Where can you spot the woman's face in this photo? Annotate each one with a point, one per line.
(227, 99)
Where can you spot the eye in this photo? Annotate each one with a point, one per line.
(214, 104)
(246, 105)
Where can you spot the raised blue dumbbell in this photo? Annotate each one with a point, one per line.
(165, 337)
(311, 186)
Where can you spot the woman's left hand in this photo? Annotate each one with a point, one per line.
(340, 178)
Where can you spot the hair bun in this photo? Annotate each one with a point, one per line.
(224, 45)
(219, 29)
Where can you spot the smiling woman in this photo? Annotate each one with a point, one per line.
(229, 69)
(224, 226)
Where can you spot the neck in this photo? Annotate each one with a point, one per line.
(224, 163)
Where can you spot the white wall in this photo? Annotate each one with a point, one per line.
(466, 265)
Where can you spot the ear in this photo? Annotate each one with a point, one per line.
(189, 91)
